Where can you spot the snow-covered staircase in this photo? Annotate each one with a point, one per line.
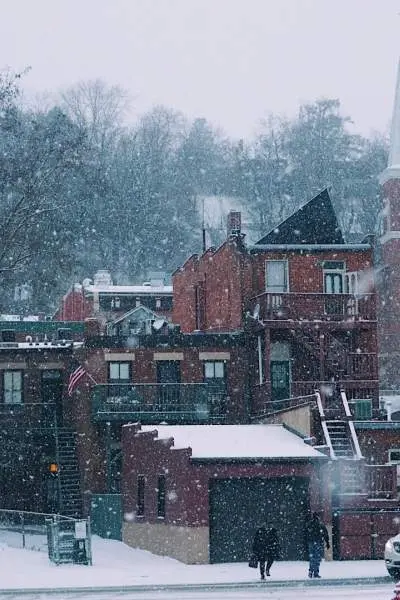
(340, 438)
(338, 427)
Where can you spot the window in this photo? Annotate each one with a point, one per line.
(141, 482)
(119, 372)
(8, 335)
(394, 459)
(12, 387)
(115, 302)
(158, 302)
(276, 276)
(394, 456)
(214, 370)
(161, 496)
(333, 276)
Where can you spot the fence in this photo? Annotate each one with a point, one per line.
(23, 529)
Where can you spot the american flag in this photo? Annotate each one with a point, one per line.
(75, 378)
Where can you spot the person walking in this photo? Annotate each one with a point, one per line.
(266, 548)
(316, 538)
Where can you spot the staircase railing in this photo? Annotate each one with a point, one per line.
(57, 445)
(324, 426)
(349, 418)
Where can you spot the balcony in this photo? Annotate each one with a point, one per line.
(381, 481)
(313, 307)
(159, 402)
(374, 482)
(263, 402)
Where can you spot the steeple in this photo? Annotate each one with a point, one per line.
(393, 169)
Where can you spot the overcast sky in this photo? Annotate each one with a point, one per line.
(230, 61)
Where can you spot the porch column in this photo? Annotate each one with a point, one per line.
(321, 356)
(267, 361)
(108, 457)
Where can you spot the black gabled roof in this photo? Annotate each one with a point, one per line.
(313, 223)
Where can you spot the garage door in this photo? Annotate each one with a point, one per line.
(239, 506)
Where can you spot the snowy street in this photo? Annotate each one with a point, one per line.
(381, 592)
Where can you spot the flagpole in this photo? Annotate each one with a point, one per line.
(91, 378)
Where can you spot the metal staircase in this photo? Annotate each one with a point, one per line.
(340, 439)
(69, 489)
(338, 427)
(335, 353)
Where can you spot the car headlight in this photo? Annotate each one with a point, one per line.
(396, 546)
(389, 546)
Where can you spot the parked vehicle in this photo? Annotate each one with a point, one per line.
(392, 558)
(396, 592)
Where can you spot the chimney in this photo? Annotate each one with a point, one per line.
(234, 223)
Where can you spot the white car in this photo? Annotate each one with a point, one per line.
(392, 556)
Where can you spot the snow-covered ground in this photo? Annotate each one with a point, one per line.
(115, 564)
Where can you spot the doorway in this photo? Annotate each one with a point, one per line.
(52, 397)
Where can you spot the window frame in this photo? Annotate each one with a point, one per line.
(161, 496)
(14, 390)
(277, 289)
(141, 495)
(390, 460)
(213, 363)
(119, 379)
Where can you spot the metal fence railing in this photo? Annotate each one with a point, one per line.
(23, 529)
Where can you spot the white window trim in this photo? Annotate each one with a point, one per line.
(286, 263)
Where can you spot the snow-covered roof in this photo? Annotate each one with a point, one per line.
(237, 441)
(129, 289)
(40, 345)
(19, 318)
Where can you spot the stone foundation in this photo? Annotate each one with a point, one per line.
(187, 544)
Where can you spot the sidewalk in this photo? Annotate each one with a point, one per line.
(118, 567)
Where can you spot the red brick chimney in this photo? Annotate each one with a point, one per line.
(234, 223)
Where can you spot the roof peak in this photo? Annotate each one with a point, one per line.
(314, 222)
(394, 153)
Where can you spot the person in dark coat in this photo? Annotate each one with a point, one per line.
(266, 548)
(316, 538)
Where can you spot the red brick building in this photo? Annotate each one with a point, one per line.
(305, 299)
(198, 493)
(106, 302)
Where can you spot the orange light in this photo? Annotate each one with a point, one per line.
(53, 468)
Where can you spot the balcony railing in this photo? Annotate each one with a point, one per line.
(314, 307)
(157, 402)
(262, 395)
(372, 481)
(381, 481)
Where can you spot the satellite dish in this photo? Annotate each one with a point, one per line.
(158, 324)
(256, 312)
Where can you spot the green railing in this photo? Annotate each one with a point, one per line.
(156, 402)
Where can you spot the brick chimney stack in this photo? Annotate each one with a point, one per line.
(234, 223)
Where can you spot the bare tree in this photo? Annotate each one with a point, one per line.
(97, 108)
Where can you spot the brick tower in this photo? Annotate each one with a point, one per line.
(388, 258)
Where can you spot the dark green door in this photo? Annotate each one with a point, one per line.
(280, 379)
(52, 397)
(239, 506)
(106, 515)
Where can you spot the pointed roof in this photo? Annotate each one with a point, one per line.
(313, 223)
(393, 169)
